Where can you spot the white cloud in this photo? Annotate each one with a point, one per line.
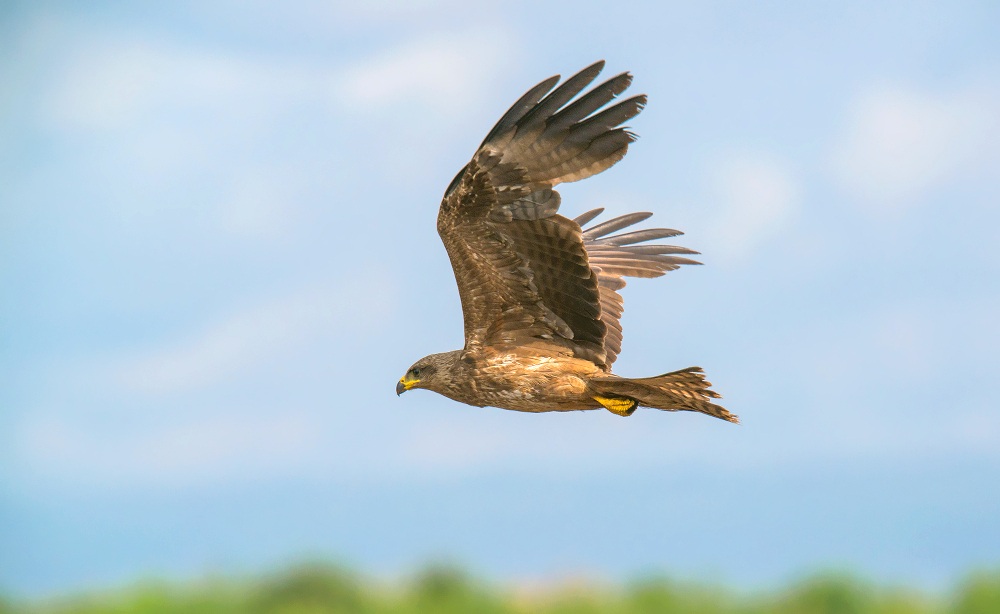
(202, 450)
(900, 142)
(757, 196)
(900, 381)
(262, 200)
(117, 83)
(446, 72)
(156, 115)
(321, 18)
(489, 439)
(452, 446)
(866, 435)
(906, 336)
(263, 332)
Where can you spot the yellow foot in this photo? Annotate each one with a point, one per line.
(623, 406)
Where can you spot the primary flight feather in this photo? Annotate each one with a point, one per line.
(539, 292)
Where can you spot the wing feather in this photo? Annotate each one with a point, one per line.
(524, 272)
(522, 269)
(519, 109)
(590, 102)
(585, 218)
(616, 256)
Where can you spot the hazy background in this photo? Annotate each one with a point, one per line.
(218, 255)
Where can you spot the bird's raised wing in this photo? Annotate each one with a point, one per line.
(523, 271)
(521, 268)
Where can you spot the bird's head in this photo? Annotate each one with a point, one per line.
(424, 373)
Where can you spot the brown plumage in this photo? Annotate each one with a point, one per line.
(540, 293)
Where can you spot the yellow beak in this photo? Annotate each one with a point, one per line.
(405, 384)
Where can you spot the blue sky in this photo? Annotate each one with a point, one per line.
(218, 254)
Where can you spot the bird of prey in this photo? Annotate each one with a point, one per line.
(539, 291)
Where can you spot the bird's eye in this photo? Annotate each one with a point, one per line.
(416, 372)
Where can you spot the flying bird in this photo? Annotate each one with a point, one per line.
(539, 291)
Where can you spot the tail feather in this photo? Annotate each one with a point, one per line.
(684, 390)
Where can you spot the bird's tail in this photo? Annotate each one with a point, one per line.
(684, 390)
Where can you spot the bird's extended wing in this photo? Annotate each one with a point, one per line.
(522, 269)
(615, 256)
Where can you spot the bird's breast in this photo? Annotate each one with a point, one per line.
(533, 383)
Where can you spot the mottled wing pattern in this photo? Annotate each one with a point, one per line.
(522, 269)
(615, 256)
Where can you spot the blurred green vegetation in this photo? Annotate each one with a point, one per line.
(322, 589)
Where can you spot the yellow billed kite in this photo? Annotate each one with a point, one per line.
(539, 292)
